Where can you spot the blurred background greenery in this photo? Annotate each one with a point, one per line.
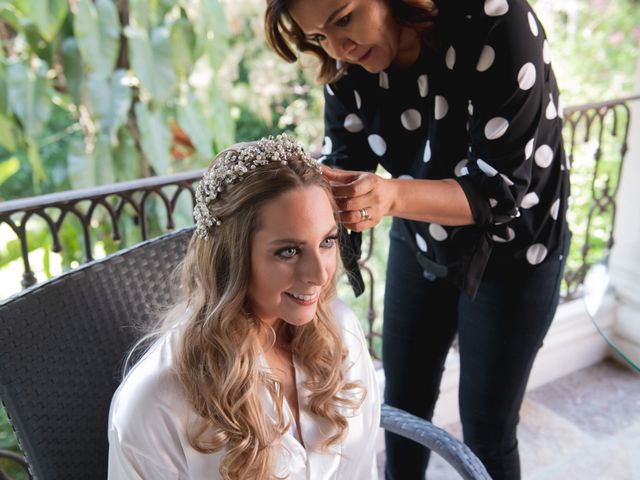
(96, 92)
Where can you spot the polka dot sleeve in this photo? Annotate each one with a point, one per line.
(345, 141)
(509, 99)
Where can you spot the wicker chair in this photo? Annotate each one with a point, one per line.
(63, 344)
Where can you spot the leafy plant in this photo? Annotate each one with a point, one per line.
(111, 82)
(8, 442)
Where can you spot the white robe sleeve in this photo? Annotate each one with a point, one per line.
(148, 424)
(127, 463)
(359, 448)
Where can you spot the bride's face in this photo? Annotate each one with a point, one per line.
(293, 256)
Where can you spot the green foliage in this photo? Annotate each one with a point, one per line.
(97, 32)
(29, 95)
(193, 122)
(156, 136)
(47, 15)
(7, 135)
(8, 442)
(594, 45)
(110, 101)
(101, 72)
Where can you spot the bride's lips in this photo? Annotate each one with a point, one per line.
(309, 300)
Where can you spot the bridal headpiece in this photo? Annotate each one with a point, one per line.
(233, 165)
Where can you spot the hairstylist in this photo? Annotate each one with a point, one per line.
(459, 103)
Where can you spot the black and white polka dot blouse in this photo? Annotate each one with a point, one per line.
(482, 108)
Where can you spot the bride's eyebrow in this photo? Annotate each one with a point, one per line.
(287, 241)
(297, 242)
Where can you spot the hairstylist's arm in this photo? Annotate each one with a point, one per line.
(434, 201)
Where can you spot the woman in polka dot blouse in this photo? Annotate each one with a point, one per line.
(459, 103)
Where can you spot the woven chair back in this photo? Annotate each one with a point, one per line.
(62, 347)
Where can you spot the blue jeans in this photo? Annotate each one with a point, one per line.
(499, 334)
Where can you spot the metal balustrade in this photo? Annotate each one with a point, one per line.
(596, 136)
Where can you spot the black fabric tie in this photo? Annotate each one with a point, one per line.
(350, 251)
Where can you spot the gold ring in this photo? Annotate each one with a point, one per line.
(364, 215)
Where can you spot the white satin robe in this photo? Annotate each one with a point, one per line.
(150, 415)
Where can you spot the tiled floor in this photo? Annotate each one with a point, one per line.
(585, 426)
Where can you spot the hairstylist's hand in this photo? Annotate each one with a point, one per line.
(363, 198)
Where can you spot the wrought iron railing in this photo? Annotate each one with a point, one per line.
(84, 205)
(596, 136)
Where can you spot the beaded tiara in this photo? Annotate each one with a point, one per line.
(232, 166)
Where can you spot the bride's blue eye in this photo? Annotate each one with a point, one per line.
(287, 252)
(329, 242)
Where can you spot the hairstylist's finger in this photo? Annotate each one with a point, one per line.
(337, 175)
(360, 185)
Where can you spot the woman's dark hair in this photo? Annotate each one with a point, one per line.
(283, 34)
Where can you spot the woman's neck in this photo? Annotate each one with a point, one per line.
(275, 335)
(409, 46)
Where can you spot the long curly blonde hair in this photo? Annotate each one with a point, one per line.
(218, 361)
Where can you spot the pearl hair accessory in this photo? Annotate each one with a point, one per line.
(233, 165)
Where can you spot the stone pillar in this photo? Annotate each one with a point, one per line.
(625, 256)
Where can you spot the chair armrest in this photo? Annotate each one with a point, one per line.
(456, 453)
